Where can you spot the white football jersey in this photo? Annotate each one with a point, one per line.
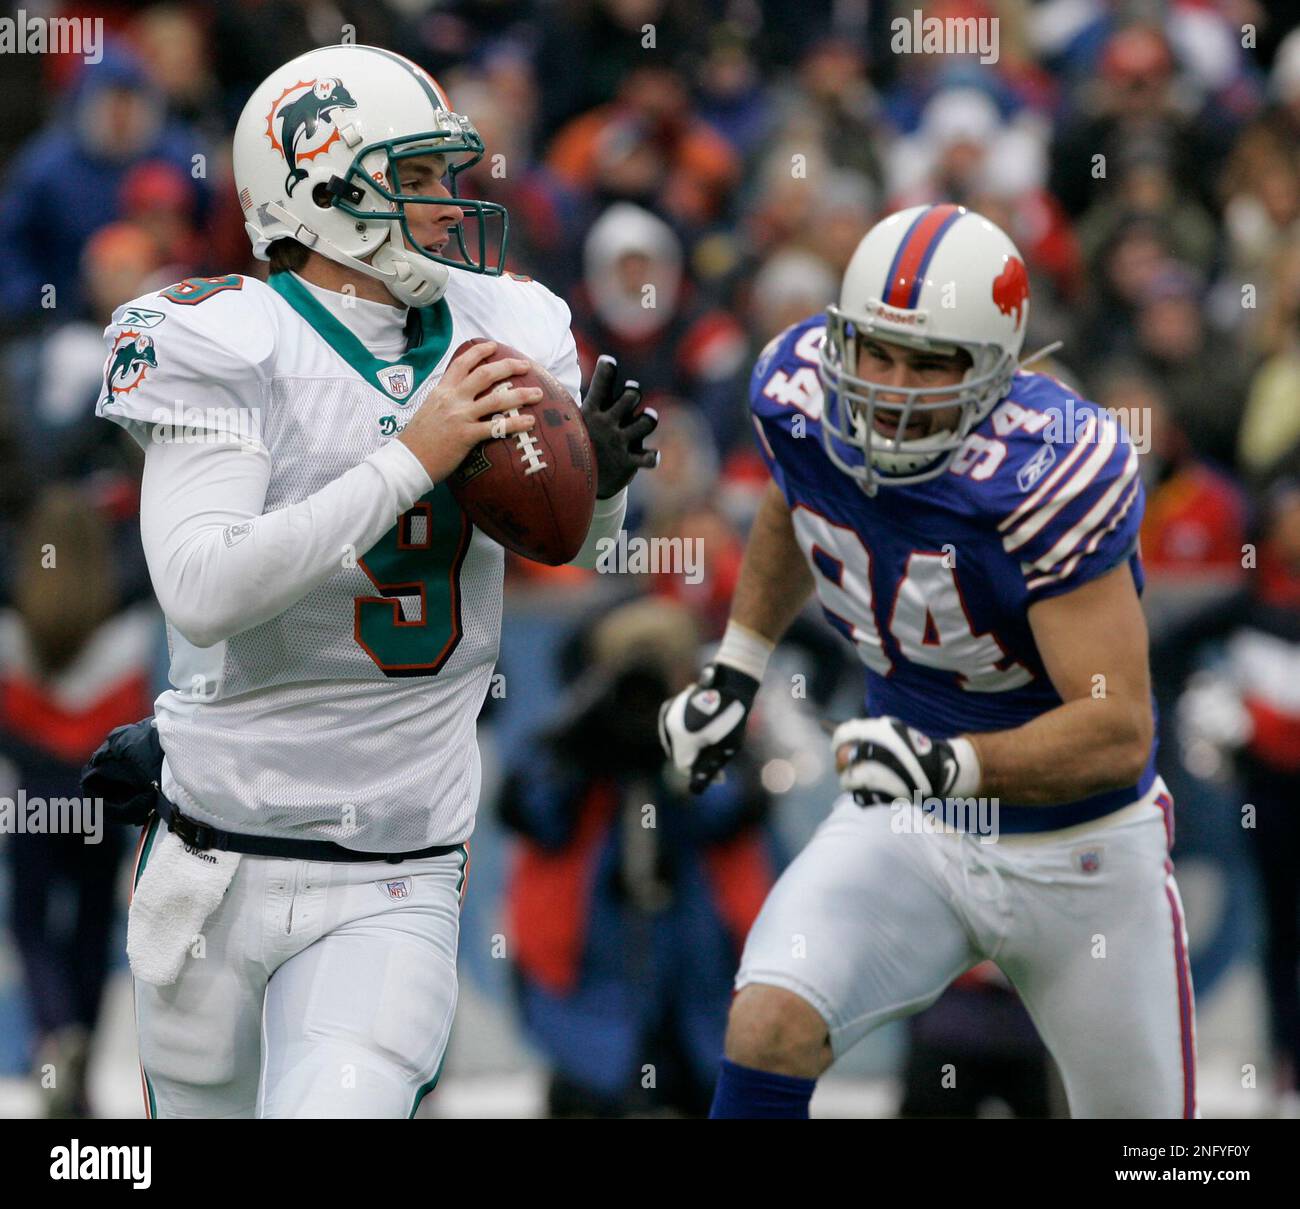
(351, 715)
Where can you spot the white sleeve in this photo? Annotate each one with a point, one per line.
(219, 566)
(606, 521)
(564, 362)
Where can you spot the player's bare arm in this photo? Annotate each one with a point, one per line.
(774, 578)
(1093, 642)
(703, 726)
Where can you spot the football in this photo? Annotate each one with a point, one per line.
(533, 492)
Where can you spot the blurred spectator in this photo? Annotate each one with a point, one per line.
(789, 287)
(1205, 382)
(171, 42)
(732, 96)
(1261, 223)
(648, 146)
(630, 899)
(1118, 279)
(73, 665)
(1194, 529)
(1250, 703)
(66, 183)
(163, 201)
(637, 302)
(55, 375)
(1283, 113)
(1134, 96)
(1145, 188)
(590, 47)
(1270, 428)
(501, 102)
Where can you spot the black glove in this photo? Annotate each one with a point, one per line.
(617, 429)
(125, 771)
(703, 726)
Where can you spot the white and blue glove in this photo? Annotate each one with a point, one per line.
(882, 759)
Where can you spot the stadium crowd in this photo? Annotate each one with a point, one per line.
(1144, 155)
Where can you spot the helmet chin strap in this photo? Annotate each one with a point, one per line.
(413, 279)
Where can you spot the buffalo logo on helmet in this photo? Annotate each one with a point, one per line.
(300, 123)
(1011, 289)
(131, 358)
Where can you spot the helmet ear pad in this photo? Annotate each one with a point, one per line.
(413, 279)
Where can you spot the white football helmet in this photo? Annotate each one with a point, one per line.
(938, 278)
(316, 157)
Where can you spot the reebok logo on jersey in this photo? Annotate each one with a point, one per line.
(234, 534)
(1036, 467)
(135, 316)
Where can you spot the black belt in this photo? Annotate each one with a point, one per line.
(199, 835)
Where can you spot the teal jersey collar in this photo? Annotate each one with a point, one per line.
(430, 336)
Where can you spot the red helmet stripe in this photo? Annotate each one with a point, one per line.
(918, 246)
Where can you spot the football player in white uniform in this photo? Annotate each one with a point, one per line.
(333, 617)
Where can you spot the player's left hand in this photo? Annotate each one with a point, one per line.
(617, 429)
(882, 759)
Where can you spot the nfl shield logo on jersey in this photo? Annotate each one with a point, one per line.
(397, 380)
(1088, 860)
(395, 890)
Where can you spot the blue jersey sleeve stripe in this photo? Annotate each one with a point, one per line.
(1067, 492)
(1098, 537)
(1079, 531)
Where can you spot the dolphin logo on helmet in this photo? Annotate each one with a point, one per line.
(299, 120)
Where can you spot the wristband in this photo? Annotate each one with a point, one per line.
(746, 651)
(969, 772)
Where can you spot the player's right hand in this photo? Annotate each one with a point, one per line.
(458, 413)
(703, 726)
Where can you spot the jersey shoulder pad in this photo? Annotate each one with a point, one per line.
(785, 383)
(785, 399)
(515, 310)
(202, 344)
(1060, 481)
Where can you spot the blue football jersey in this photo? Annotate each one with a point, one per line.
(932, 582)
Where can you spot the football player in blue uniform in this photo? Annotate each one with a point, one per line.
(972, 528)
